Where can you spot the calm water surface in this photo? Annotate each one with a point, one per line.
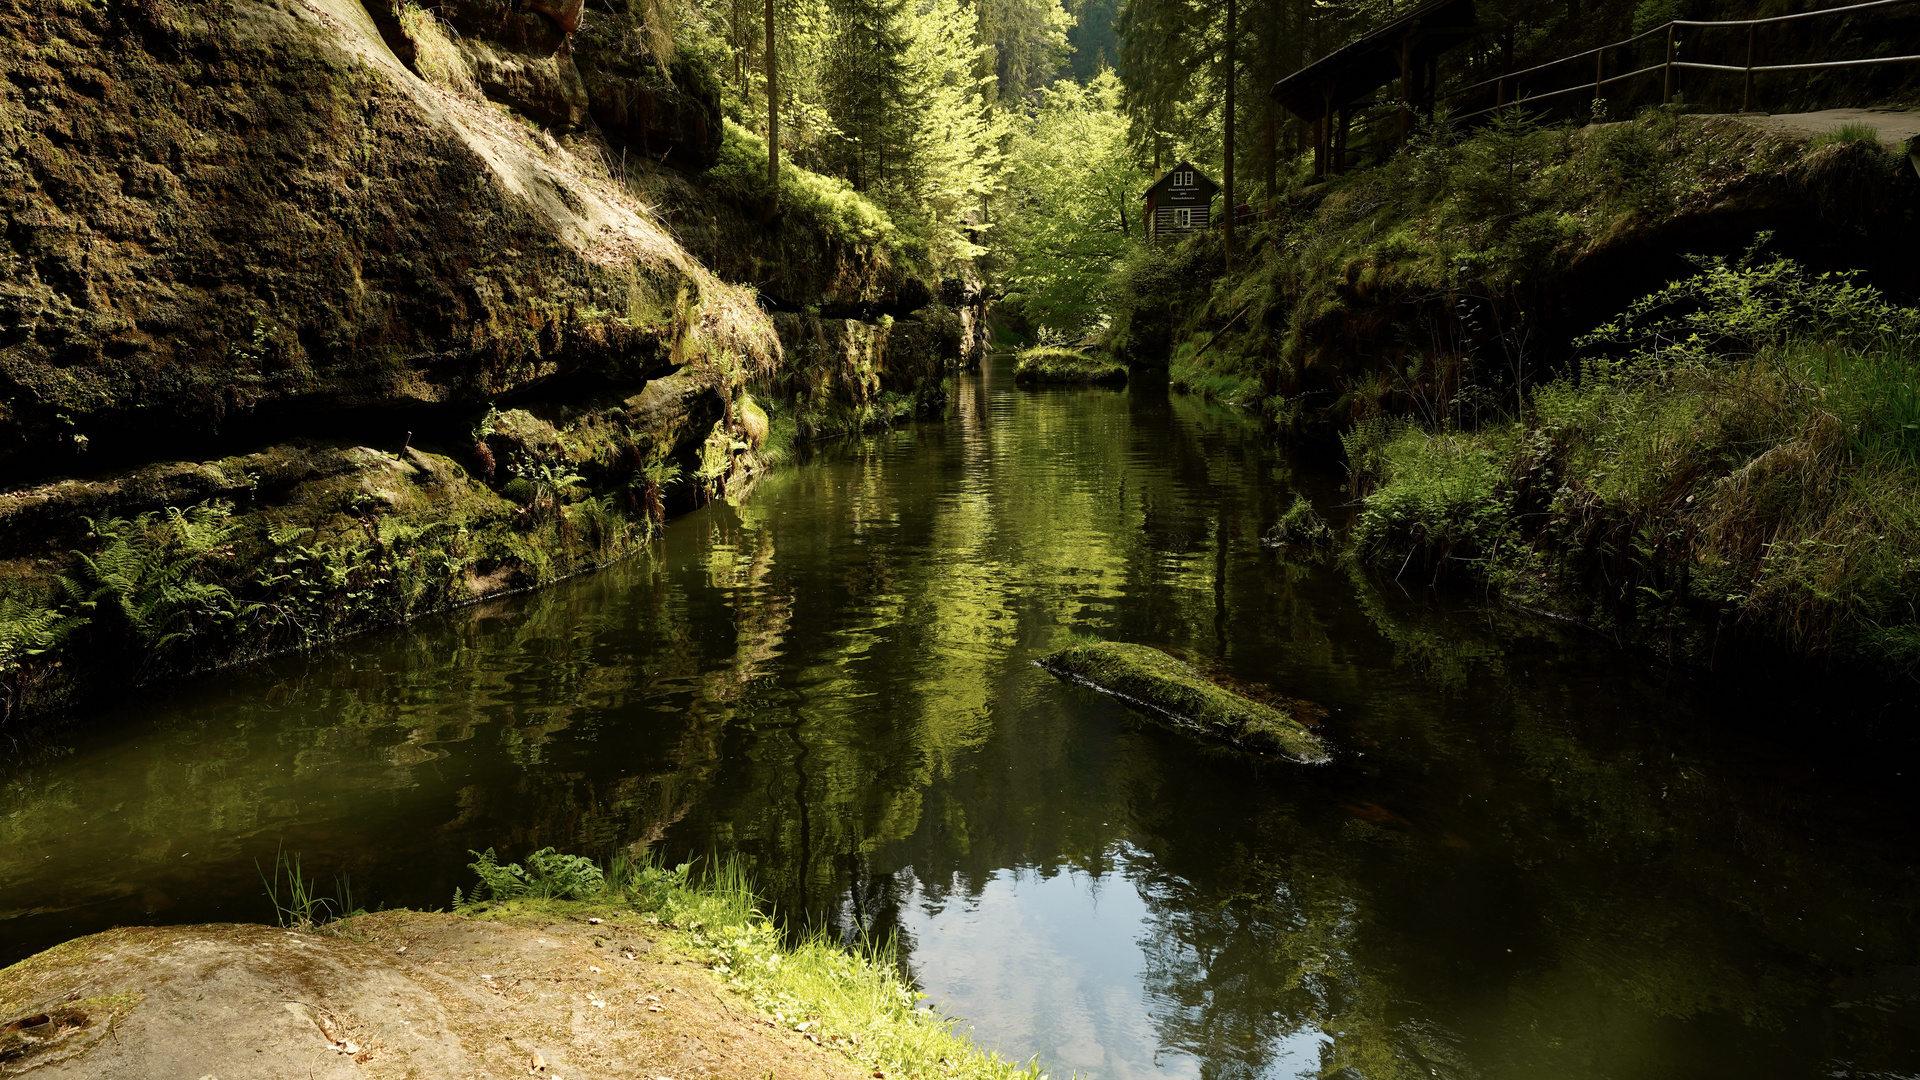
(1533, 857)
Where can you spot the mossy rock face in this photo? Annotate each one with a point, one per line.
(1171, 689)
(1050, 364)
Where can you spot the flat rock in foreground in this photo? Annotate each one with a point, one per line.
(1173, 690)
(395, 994)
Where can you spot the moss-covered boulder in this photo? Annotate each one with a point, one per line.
(1053, 364)
(1171, 689)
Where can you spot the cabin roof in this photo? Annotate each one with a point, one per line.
(1200, 180)
(1373, 59)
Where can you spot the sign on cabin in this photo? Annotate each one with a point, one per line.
(1179, 202)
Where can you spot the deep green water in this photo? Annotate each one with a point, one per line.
(1535, 856)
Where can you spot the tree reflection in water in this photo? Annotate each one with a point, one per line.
(1533, 857)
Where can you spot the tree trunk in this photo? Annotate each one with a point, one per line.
(773, 120)
(1275, 118)
(1229, 139)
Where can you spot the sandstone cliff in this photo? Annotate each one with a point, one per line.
(317, 315)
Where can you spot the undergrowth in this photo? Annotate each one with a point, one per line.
(1738, 453)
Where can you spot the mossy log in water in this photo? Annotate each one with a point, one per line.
(1171, 688)
(1052, 364)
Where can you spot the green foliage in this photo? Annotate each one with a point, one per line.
(297, 902)
(1736, 307)
(828, 204)
(308, 593)
(28, 630)
(1442, 495)
(1408, 288)
(1846, 133)
(1057, 364)
(862, 1000)
(150, 574)
(547, 875)
(1300, 527)
(1749, 459)
(1070, 206)
(1156, 290)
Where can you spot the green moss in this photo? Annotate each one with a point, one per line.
(827, 203)
(1170, 688)
(1054, 364)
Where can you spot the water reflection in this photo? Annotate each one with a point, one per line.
(1533, 857)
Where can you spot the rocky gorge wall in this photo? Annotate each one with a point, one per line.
(316, 316)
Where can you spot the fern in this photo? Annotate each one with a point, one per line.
(150, 571)
(30, 630)
(548, 875)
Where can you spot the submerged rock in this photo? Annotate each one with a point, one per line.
(1172, 689)
(1051, 364)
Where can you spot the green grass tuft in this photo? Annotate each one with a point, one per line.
(1847, 133)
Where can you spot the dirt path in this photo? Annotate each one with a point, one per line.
(1895, 126)
(400, 994)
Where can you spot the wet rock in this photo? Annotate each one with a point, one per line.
(1171, 689)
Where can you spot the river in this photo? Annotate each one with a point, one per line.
(1535, 855)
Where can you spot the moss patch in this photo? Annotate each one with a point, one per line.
(1167, 687)
(1053, 364)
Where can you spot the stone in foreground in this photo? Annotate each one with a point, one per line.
(1052, 364)
(1173, 690)
(392, 995)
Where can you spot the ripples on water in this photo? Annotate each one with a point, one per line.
(1534, 856)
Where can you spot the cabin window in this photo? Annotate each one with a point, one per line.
(1183, 218)
(1183, 179)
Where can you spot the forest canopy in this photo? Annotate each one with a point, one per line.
(1020, 135)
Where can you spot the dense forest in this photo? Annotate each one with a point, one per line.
(1022, 133)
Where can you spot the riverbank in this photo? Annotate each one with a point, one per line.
(1735, 465)
(1719, 472)
(672, 980)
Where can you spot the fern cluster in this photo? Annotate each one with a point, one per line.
(550, 875)
(148, 573)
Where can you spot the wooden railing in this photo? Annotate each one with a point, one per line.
(1504, 86)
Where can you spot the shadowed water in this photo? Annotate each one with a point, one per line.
(1533, 856)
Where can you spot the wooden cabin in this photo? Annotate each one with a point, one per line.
(1179, 203)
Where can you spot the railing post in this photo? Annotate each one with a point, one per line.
(1500, 94)
(1599, 71)
(1666, 90)
(1746, 96)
